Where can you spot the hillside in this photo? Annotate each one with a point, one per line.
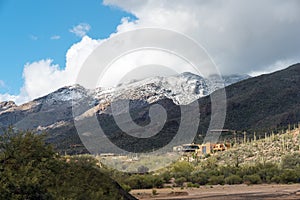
(266, 102)
(269, 160)
(271, 148)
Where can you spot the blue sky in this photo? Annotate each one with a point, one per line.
(35, 30)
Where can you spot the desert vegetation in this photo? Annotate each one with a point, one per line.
(272, 159)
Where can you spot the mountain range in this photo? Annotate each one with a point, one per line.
(260, 103)
(55, 108)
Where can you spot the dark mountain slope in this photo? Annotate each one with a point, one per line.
(261, 103)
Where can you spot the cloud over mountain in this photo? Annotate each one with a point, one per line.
(242, 37)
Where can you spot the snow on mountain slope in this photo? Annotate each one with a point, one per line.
(57, 106)
(182, 89)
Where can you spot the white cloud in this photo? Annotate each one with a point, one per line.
(278, 65)
(43, 77)
(241, 36)
(40, 77)
(81, 29)
(55, 37)
(8, 97)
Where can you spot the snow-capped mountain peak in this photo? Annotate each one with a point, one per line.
(182, 88)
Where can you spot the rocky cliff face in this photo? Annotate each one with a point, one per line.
(7, 105)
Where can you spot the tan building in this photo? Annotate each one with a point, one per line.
(207, 148)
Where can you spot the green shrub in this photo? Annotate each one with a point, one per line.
(291, 161)
(190, 184)
(154, 192)
(228, 170)
(289, 176)
(233, 179)
(127, 188)
(215, 180)
(266, 171)
(196, 185)
(144, 181)
(179, 181)
(210, 163)
(182, 169)
(200, 178)
(248, 170)
(166, 176)
(252, 179)
(276, 179)
(157, 182)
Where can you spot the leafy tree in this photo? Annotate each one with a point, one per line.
(23, 173)
(30, 169)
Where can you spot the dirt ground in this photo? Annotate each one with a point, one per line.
(232, 192)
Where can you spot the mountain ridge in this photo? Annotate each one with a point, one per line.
(252, 104)
(210, 82)
(182, 89)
